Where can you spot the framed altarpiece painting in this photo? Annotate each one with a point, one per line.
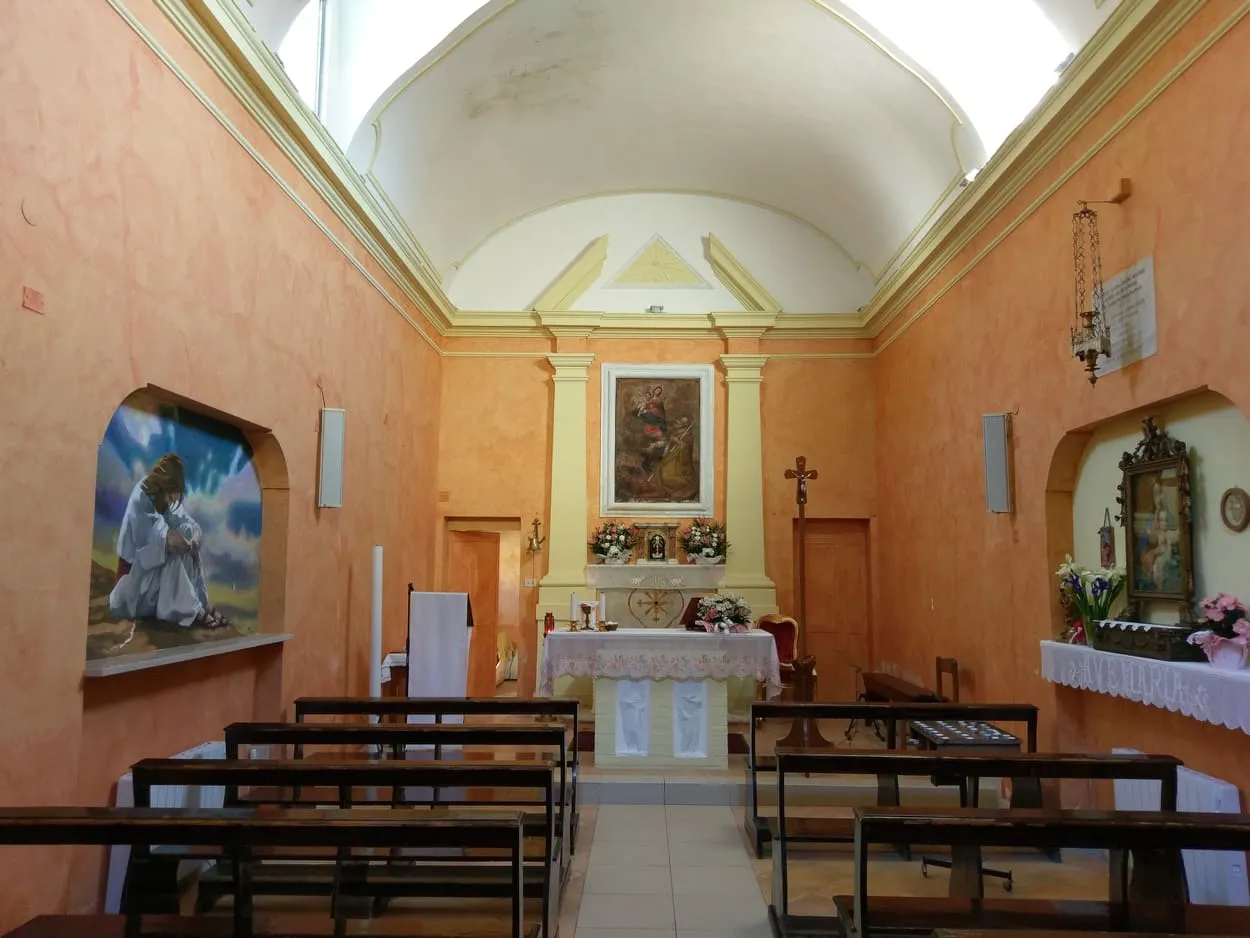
(657, 429)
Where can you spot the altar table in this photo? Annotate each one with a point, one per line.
(660, 698)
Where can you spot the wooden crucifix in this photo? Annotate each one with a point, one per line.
(801, 474)
(804, 733)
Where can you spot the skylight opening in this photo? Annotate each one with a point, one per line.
(997, 58)
(300, 53)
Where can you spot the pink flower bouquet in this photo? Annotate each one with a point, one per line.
(1226, 639)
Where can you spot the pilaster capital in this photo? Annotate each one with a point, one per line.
(570, 366)
(569, 324)
(744, 324)
(745, 368)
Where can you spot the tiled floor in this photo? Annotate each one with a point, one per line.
(675, 871)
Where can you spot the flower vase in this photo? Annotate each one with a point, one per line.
(707, 561)
(1226, 654)
(615, 561)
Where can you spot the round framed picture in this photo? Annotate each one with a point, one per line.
(1235, 509)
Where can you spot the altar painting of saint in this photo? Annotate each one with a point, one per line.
(658, 425)
(175, 556)
(1156, 533)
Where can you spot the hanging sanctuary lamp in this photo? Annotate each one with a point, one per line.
(1090, 333)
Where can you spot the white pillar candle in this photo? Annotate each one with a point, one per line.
(573, 608)
(603, 607)
(375, 628)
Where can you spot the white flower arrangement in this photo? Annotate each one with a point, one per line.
(724, 612)
(704, 538)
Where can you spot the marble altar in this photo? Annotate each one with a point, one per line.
(660, 696)
(651, 595)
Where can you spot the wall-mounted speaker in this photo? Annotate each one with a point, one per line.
(996, 432)
(330, 483)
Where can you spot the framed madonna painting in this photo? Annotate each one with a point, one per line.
(656, 458)
(1155, 510)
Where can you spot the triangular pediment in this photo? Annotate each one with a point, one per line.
(658, 265)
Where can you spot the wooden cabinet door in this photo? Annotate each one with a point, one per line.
(837, 603)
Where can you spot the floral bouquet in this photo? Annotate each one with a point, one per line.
(704, 538)
(1090, 592)
(724, 612)
(1227, 632)
(613, 540)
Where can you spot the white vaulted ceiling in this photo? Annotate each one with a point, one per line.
(857, 120)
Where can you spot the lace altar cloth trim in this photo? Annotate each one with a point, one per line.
(660, 655)
(1193, 688)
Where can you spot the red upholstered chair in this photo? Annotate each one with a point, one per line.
(689, 615)
(785, 633)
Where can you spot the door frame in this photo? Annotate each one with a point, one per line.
(873, 565)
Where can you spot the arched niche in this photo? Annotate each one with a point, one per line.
(1084, 472)
(235, 511)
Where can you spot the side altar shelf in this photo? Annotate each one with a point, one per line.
(652, 595)
(660, 697)
(1195, 689)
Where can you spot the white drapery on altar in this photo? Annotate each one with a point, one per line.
(659, 655)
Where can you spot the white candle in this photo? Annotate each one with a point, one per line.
(375, 628)
(573, 608)
(603, 607)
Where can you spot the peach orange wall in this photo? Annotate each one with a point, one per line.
(825, 410)
(980, 586)
(169, 257)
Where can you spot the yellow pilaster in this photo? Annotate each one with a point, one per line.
(744, 485)
(566, 528)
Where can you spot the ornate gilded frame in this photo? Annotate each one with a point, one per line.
(1160, 456)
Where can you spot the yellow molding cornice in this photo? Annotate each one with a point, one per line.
(1127, 40)
(737, 279)
(741, 324)
(576, 278)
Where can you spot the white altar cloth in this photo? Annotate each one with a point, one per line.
(660, 696)
(660, 655)
(1193, 688)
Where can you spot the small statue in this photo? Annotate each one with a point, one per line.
(657, 547)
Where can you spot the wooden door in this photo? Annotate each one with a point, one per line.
(837, 603)
(473, 568)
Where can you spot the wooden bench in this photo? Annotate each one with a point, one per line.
(439, 708)
(151, 881)
(395, 740)
(967, 768)
(305, 783)
(1154, 900)
(892, 715)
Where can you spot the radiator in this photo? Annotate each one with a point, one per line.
(1215, 877)
(163, 796)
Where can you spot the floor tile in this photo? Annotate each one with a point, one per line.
(721, 912)
(736, 931)
(719, 835)
(600, 911)
(715, 881)
(629, 881)
(682, 853)
(615, 830)
(625, 933)
(626, 853)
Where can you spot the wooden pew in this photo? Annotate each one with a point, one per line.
(552, 708)
(353, 783)
(1155, 900)
(395, 739)
(967, 768)
(238, 832)
(892, 715)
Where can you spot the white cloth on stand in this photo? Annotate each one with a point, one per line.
(438, 648)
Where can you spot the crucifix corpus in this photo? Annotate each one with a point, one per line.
(804, 733)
